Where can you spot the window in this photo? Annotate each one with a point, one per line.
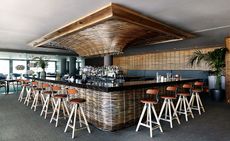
(5, 67)
(16, 63)
(51, 67)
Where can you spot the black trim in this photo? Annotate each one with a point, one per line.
(71, 53)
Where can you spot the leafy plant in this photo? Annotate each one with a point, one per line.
(40, 62)
(214, 59)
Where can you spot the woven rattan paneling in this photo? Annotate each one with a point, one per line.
(108, 31)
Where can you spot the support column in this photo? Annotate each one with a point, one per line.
(61, 66)
(82, 62)
(72, 66)
(227, 70)
(27, 65)
(11, 66)
(108, 60)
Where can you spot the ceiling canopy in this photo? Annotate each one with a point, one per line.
(108, 31)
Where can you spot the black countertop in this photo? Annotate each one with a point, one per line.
(110, 87)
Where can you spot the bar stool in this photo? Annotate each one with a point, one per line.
(76, 109)
(182, 103)
(168, 107)
(198, 88)
(59, 101)
(46, 93)
(37, 96)
(30, 92)
(149, 106)
(25, 89)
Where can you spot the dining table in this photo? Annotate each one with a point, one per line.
(7, 82)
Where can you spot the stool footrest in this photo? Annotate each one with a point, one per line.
(148, 126)
(165, 119)
(196, 108)
(76, 129)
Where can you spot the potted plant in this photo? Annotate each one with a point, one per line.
(40, 62)
(216, 61)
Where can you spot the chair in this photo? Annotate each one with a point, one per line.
(182, 103)
(25, 89)
(3, 85)
(168, 106)
(47, 95)
(59, 101)
(37, 95)
(149, 106)
(76, 109)
(195, 98)
(30, 92)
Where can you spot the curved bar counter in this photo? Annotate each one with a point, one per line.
(110, 106)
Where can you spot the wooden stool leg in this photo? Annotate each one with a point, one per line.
(174, 112)
(170, 113)
(58, 112)
(166, 110)
(191, 102)
(70, 118)
(27, 99)
(34, 101)
(55, 110)
(178, 103)
(201, 104)
(45, 106)
(156, 117)
(185, 109)
(150, 121)
(79, 116)
(181, 104)
(66, 107)
(63, 109)
(29, 91)
(74, 120)
(198, 104)
(42, 98)
(83, 115)
(142, 115)
(21, 94)
(52, 103)
(147, 118)
(189, 108)
(162, 108)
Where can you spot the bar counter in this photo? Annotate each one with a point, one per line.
(110, 106)
(111, 87)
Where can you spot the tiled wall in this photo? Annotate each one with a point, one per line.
(171, 60)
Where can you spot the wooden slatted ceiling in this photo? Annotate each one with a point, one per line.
(109, 30)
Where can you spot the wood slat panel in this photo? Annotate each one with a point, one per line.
(171, 60)
(227, 71)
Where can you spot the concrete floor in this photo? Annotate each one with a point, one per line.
(19, 123)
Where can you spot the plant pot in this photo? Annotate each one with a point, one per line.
(43, 74)
(212, 82)
(217, 95)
